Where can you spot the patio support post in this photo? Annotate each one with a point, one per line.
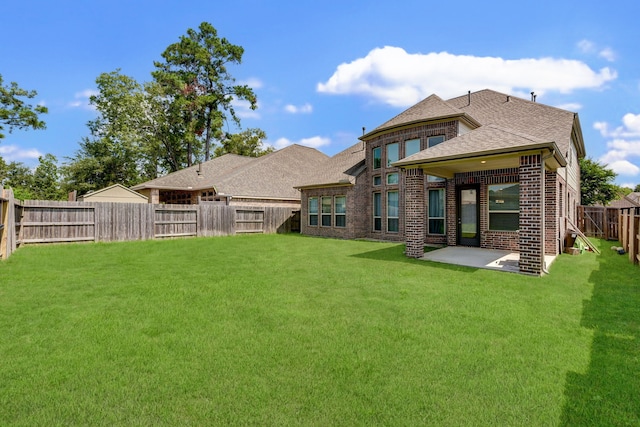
(531, 214)
(154, 196)
(414, 213)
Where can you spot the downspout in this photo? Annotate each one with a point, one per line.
(542, 208)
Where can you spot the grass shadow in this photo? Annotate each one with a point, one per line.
(608, 393)
(396, 254)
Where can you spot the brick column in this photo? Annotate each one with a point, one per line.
(530, 238)
(414, 213)
(451, 213)
(154, 196)
(551, 212)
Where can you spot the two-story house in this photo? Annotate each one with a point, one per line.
(484, 169)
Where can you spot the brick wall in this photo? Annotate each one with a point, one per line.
(551, 213)
(415, 213)
(531, 245)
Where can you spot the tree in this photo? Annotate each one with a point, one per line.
(46, 179)
(596, 183)
(637, 189)
(246, 143)
(15, 113)
(194, 74)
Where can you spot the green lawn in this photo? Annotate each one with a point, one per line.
(291, 330)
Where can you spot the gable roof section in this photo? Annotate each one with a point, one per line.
(429, 109)
(484, 141)
(273, 175)
(341, 169)
(188, 178)
(532, 118)
(115, 186)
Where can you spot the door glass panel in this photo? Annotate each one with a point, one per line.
(468, 214)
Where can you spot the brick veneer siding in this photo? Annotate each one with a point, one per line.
(415, 213)
(551, 214)
(531, 245)
(449, 129)
(357, 215)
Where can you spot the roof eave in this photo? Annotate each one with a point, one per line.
(462, 116)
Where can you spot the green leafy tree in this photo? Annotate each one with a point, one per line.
(46, 179)
(15, 113)
(195, 75)
(17, 176)
(637, 189)
(596, 183)
(246, 143)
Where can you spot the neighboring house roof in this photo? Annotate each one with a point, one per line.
(269, 176)
(113, 193)
(341, 169)
(631, 200)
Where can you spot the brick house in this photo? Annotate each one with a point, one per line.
(237, 180)
(484, 169)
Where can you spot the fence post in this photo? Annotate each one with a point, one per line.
(632, 238)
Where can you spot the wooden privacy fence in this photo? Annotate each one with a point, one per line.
(599, 221)
(7, 223)
(630, 232)
(37, 221)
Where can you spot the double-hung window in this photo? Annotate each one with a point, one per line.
(326, 211)
(340, 211)
(393, 155)
(392, 212)
(504, 207)
(313, 211)
(377, 211)
(411, 147)
(377, 158)
(436, 211)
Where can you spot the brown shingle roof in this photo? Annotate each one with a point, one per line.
(269, 176)
(430, 108)
(341, 169)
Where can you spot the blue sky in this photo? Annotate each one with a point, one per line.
(324, 70)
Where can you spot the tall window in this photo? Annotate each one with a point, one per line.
(340, 209)
(504, 207)
(326, 211)
(393, 154)
(313, 211)
(392, 212)
(377, 212)
(411, 147)
(432, 141)
(436, 211)
(377, 158)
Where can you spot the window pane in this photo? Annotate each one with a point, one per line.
(313, 219)
(392, 204)
(392, 153)
(392, 178)
(392, 225)
(436, 226)
(341, 221)
(377, 224)
(377, 180)
(411, 147)
(326, 205)
(341, 204)
(377, 157)
(504, 197)
(431, 178)
(504, 221)
(377, 204)
(436, 203)
(326, 220)
(435, 140)
(313, 205)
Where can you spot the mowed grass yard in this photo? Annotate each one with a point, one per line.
(292, 330)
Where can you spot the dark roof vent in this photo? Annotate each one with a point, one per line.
(469, 97)
(533, 96)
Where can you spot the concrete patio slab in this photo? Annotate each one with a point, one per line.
(479, 258)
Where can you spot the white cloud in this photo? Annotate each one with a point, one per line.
(252, 82)
(243, 109)
(395, 77)
(623, 148)
(12, 153)
(589, 47)
(313, 142)
(303, 109)
(81, 99)
(572, 106)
